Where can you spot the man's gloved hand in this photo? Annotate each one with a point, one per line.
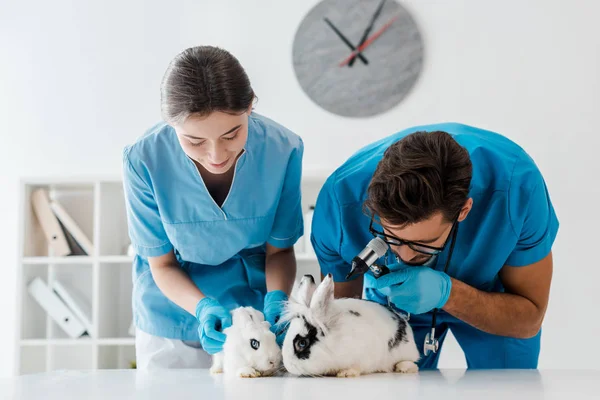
(213, 319)
(416, 290)
(272, 309)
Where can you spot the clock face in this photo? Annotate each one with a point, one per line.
(384, 70)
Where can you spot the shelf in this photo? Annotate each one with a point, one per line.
(78, 342)
(70, 358)
(69, 260)
(114, 312)
(57, 342)
(76, 260)
(130, 341)
(102, 278)
(76, 199)
(33, 317)
(116, 259)
(32, 360)
(113, 235)
(116, 357)
(77, 280)
(67, 355)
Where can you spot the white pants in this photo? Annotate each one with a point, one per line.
(153, 352)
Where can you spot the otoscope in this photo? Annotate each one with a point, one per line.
(365, 260)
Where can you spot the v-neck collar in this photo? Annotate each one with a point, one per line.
(238, 164)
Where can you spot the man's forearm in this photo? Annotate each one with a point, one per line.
(280, 271)
(502, 314)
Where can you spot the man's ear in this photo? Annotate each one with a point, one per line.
(465, 210)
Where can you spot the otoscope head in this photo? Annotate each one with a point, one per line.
(375, 249)
(358, 267)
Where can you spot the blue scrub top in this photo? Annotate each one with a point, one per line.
(221, 248)
(512, 221)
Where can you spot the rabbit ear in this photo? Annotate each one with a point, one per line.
(323, 294)
(306, 288)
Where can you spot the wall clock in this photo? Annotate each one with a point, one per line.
(357, 58)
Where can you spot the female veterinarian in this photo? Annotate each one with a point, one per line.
(213, 206)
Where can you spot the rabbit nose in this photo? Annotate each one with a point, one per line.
(271, 362)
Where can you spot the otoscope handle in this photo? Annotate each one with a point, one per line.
(379, 270)
(359, 266)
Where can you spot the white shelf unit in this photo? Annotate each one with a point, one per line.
(103, 278)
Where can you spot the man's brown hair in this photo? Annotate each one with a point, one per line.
(419, 175)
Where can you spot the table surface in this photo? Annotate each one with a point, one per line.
(199, 384)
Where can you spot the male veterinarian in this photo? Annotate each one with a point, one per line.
(422, 189)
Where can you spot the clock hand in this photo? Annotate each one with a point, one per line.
(368, 42)
(345, 40)
(368, 30)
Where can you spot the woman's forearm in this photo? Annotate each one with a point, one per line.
(176, 285)
(280, 270)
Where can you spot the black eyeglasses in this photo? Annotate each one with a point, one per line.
(418, 247)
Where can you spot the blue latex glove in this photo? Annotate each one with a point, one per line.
(416, 290)
(213, 319)
(272, 309)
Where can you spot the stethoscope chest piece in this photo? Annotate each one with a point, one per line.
(431, 343)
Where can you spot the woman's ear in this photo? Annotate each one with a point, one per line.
(465, 210)
(252, 104)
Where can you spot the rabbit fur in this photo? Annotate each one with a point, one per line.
(344, 337)
(250, 349)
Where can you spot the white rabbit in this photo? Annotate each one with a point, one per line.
(344, 337)
(250, 349)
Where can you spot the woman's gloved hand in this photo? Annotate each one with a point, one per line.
(273, 308)
(213, 319)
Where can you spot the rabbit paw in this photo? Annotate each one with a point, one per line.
(348, 373)
(217, 364)
(406, 367)
(216, 369)
(248, 372)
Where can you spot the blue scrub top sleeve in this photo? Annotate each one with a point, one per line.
(326, 234)
(145, 227)
(288, 225)
(532, 216)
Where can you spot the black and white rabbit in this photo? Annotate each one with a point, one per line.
(250, 349)
(344, 337)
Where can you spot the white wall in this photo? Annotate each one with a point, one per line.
(78, 80)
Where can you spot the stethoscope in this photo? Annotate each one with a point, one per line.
(432, 344)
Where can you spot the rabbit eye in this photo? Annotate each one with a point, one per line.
(301, 344)
(255, 344)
